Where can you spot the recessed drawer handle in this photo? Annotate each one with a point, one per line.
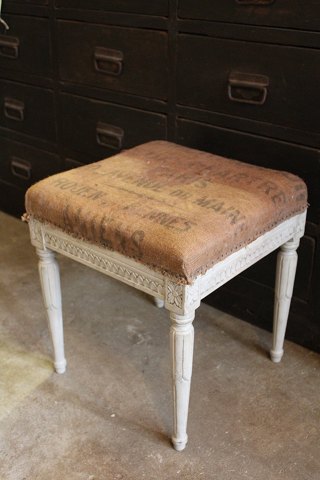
(108, 61)
(14, 109)
(248, 88)
(20, 168)
(255, 2)
(9, 46)
(109, 136)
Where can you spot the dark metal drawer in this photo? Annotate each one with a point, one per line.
(102, 129)
(123, 59)
(23, 165)
(145, 7)
(27, 2)
(258, 150)
(11, 199)
(273, 84)
(271, 13)
(27, 109)
(69, 163)
(26, 46)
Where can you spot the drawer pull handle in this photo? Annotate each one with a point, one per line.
(14, 109)
(20, 168)
(109, 136)
(108, 61)
(3, 22)
(255, 2)
(9, 47)
(248, 88)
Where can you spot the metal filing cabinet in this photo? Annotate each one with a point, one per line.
(236, 77)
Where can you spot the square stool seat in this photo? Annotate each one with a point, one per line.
(174, 222)
(175, 209)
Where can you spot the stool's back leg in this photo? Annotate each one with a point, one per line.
(182, 336)
(158, 302)
(51, 291)
(285, 275)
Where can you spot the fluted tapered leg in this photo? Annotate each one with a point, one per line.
(182, 337)
(51, 291)
(285, 275)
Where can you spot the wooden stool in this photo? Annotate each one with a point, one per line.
(175, 223)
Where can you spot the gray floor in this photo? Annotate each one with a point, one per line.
(109, 416)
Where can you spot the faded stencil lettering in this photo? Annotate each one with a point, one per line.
(114, 235)
(181, 194)
(279, 198)
(130, 178)
(79, 190)
(167, 220)
(218, 206)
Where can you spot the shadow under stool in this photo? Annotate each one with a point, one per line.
(176, 223)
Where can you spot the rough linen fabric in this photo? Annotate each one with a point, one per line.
(172, 208)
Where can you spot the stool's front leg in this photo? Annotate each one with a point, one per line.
(182, 336)
(285, 275)
(50, 284)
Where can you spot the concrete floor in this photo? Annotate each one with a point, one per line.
(109, 416)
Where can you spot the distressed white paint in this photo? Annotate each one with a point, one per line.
(51, 291)
(181, 340)
(180, 300)
(285, 275)
(159, 302)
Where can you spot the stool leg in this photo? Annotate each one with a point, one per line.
(51, 291)
(159, 302)
(286, 270)
(182, 336)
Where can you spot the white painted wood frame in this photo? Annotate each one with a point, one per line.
(180, 300)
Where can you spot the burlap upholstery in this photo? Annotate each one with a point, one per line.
(175, 209)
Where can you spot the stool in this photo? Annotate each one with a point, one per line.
(175, 223)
